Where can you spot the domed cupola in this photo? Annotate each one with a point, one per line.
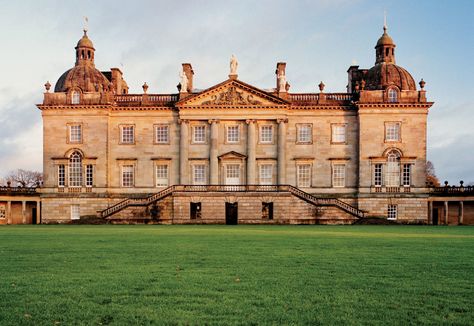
(84, 77)
(386, 73)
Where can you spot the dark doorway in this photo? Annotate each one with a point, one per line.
(267, 211)
(435, 216)
(33, 215)
(231, 213)
(195, 211)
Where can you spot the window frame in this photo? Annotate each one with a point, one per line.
(260, 178)
(75, 211)
(392, 212)
(131, 182)
(335, 178)
(299, 127)
(157, 165)
(61, 175)
(334, 134)
(204, 134)
(75, 97)
(70, 139)
(392, 95)
(261, 137)
(167, 134)
(204, 174)
(406, 174)
(302, 183)
(122, 140)
(378, 175)
(227, 129)
(89, 179)
(388, 125)
(75, 173)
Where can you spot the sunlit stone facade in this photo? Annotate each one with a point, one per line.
(275, 155)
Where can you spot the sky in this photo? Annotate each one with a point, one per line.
(318, 39)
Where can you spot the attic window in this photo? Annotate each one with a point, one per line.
(392, 95)
(75, 97)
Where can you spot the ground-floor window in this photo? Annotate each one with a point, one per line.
(392, 212)
(267, 211)
(3, 212)
(75, 212)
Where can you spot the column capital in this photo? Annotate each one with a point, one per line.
(282, 120)
(249, 121)
(181, 121)
(213, 121)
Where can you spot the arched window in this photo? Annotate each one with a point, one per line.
(75, 97)
(392, 95)
(392, 174)
(75, 170)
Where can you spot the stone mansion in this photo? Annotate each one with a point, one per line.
(234, 152)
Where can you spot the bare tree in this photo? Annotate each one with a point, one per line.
(24, 178)
(431, 178)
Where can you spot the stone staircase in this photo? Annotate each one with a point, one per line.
(314, 200)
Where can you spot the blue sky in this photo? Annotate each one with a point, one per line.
(319, 40)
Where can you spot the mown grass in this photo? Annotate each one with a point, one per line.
(123, 275)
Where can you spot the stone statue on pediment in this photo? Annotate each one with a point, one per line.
(233, 65)
(281, 82)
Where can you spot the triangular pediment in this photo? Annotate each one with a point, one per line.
(232, 155)
(232, 92)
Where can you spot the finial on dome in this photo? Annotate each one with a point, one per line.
(385, 21)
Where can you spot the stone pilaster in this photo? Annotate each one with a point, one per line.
(213, 152)
(282, 150)
(183, 152)
(23, 212)
(251, 151)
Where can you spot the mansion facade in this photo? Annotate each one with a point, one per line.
(235, 153)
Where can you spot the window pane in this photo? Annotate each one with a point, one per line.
(199, 176)
(406, 174)
(127, 134)
(162, 134)
(266, 171)
(76, 97)
(233, 134)
(304, 133)
(378, 174)
(339, 175)
(75, 133)
(304, 175)
(75, 170)
(392, 212)
(75, 212)
(89, 175)
(61, 175)
(199, 134)
(161, 175)
(338, 133)
(127, 176)
(266, 134)
(392, 95)
(392, 175)
(392, 131)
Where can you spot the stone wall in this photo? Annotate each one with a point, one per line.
(410, 210)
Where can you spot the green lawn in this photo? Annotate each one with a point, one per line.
(64, 275)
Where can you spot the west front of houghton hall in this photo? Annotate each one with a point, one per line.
(234, 152)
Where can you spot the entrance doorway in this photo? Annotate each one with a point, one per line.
(231, 213)
(435, 216)
(33, 215)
